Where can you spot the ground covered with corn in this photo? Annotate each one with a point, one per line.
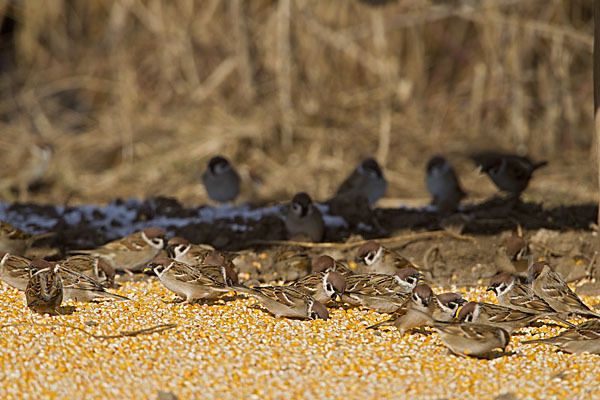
(231, 350)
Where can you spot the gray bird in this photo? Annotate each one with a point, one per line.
(221, 181)
(366, 180)
(303, 219)
(443, 185)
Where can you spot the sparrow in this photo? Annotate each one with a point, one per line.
(323, 286)
(517, 296)
(44, 290)
(90, 266)
(550, 286)
(405, 318)
(193, 283)
(378, 259)
(443, 185)
(131, 253)
(517, 250)
(221, 181)
(583, 338)
(79, 287)
(366, 180)
(326, 263)
(380, 292)
(182, 250)
(495, 315)
(469, 339)
(15, 241)
(15, 270)
(509, 172)
(287, 301)
(303, 219)
(446, 306)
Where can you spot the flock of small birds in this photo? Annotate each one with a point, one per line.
(381, 280)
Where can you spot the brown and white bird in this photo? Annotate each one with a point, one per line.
(414, 314)
(182, 250)
(380, 260)
(517, 250)
(303, 220)
(443, 185)
(91, 266)
(131, 253)
(513, 294)
(366, 181)
(473, 340)
(221, 180)
(15, 241)
(447, 305)
(495, 315)
(287, 301)
(290, 262)
(44, 291)
(326, 263)
(192, 283)
(550, 286)
(582, 338)
(381, 292)
(15, 270)
(323, 286)
(79, 287)
(509, 172)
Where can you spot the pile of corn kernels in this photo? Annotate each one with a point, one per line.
(230, 350)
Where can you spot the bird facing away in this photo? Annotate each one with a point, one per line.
(443, 185)
(366, 181)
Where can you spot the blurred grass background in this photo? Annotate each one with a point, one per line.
(135, 96)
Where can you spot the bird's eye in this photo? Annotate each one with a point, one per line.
(157, 241)
(297, 208)
(329, 287)
(452, 305)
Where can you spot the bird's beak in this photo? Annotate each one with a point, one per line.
(148, 268)
(337, 297)
(420, 276)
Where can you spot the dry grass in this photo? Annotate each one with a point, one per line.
(136, 95)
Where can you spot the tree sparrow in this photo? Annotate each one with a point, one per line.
(131, 253)
(550, 286)
(414, 313)
(366, 181)
(192, 283)
(15, 241)
(327, 263)
(495, 315)
(303, 219)
(443, 185)
(15, 270)
(509, 172)
(381, 292)
(446, 306)
(323, 286)
(582, 338)
(182, 250)
(221, 181)
(44, 291)
(91, 266)
(380, 260)
(473, 340)
(287, 301)
(79, 287)
(517, 250)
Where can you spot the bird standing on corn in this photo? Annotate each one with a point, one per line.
(131, 253)
(582, 338)
(323, 286)
(192, 283)
(287, 301)
(495, 315)
(44, 291)
(15, 270)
